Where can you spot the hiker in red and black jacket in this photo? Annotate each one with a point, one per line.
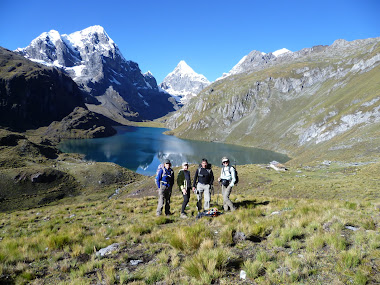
(203, 180)
(165, 182)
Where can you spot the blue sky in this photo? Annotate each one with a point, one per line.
(211, 36)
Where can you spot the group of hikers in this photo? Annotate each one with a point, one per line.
(201, 186)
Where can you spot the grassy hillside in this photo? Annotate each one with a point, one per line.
(310, 225)
(320, 106)
(33, 173)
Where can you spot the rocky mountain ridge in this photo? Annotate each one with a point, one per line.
(184, 83)
(33, 95)
(316, 97)
(116, 86)
(254, 60)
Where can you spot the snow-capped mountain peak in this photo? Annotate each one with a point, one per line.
(52, 36)
(183, 82)
(183, 67)
(280, 52)
(115, 86)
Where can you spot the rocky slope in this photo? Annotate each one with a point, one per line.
(184, 83)
(81, 123)
(323, 101)
(32, 95)
(116, 86)
(255, 61)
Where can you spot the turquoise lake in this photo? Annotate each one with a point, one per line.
(143, 149)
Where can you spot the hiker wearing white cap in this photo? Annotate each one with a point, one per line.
(184, 185)
(165, 182)
(227, 179)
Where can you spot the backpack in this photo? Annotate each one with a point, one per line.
(208, 168)
(164, 174)
(236, 175)
(159, 167)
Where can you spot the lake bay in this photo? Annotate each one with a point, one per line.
(142, 149)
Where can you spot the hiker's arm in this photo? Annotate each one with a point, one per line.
(158, 178)
(195, 179)
(221, 173)
(211, 178)
(233, 177)
(180, 179)
(172, 179)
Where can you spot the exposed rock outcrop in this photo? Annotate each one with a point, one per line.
(32, 95)
(292, 102)
(80, 123)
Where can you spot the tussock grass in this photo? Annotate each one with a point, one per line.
(190, 238)
(207, 265)
(293, 240)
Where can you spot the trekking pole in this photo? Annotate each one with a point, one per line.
(217, 196)
(235, 167)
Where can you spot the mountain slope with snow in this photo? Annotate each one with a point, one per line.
(183, 82)
(321, 102)
(116, 86)
(256, 60)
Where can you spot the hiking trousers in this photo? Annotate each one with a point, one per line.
(186, 199)
(226, 191)
(164, 194)
(203, 188)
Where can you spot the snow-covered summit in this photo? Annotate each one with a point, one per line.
(183, 82)
(280, 52)
(115, 86)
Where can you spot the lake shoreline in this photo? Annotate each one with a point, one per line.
(141, 149)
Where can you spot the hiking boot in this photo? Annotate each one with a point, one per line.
(183, 216)
(168, 214)
(158, 214)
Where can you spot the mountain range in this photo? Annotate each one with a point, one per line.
(184, 83)
(114, 86)
(318, 102)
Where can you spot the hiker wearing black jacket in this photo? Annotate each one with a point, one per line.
(203, 180)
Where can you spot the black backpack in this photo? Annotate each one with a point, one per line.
(208, 168)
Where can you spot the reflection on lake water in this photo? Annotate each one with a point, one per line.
(142, 150)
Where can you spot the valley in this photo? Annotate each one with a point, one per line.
(65, 219)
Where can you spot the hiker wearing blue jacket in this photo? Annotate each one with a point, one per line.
(165, 182)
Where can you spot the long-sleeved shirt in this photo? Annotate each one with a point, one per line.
(228, 173)
(165, 177)
(204, 176)
(183, 179)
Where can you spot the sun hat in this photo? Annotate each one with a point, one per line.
(185, 163)
(224, 159)
(167, 161)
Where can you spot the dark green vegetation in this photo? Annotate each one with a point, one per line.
(305, 226)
